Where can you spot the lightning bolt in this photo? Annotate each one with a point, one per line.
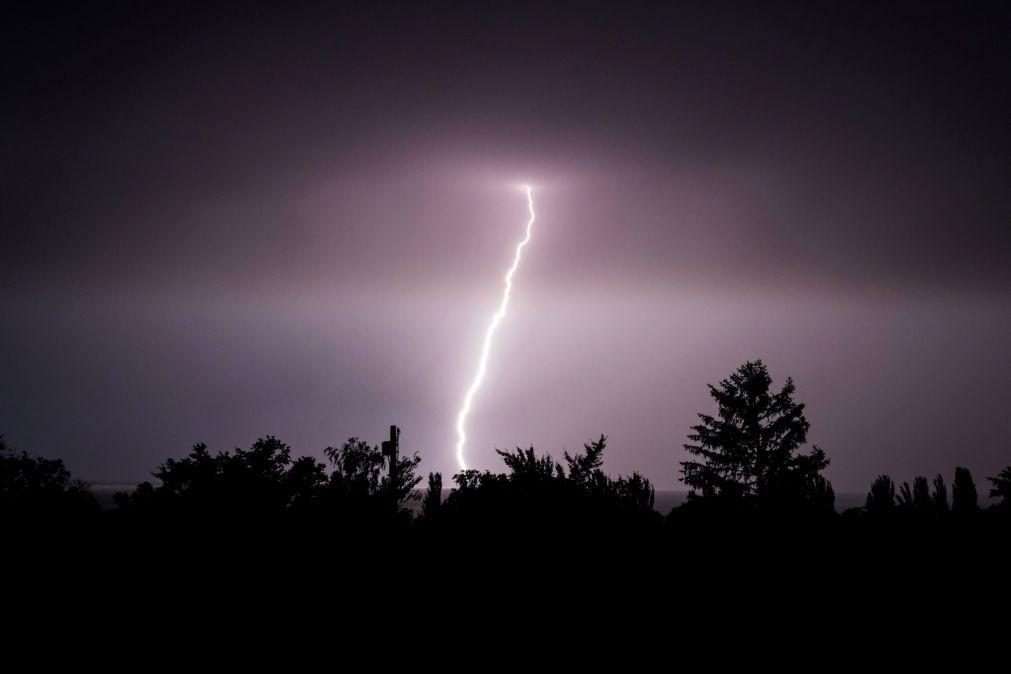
(496, 319)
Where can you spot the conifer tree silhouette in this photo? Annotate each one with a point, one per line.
(748, 451)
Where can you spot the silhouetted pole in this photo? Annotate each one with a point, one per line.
(391, 450)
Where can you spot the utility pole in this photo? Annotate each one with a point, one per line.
(391, 450)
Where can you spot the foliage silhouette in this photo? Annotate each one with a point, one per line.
(964, 499)
(748, 453)
(585, 468)
(37, 487)
(1001, 489)
(358, 474)
(247, 516)
(918, 499)
(539, 495)
(264, 482)
(921, 495)
(433, 496)
(881, 497)
(247, 484)
(940, 495)
(904, 499)
(357, 468)
(747, 464)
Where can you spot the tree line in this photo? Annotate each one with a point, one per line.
(746, 461)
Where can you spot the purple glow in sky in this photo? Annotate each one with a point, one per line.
(222, 223)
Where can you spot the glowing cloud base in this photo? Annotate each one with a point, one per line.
(496, 319)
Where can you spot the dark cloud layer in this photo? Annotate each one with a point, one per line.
(824, 184)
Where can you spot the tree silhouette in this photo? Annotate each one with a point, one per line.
(264, 481)
(881, 497)
(359, 475)
(904, 499)
(940, 495)
(433, 496)
(586, 467)
(357, 467)
(304, 480)
(921, 495)
(526, 467)
(539, 494)
(34, 486)
(918, 498)
(1002, 489)
(963, 493)
(398, 485)
(245, 484)
(634, 492)
(749, 450)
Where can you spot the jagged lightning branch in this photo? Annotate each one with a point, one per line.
(461, 418)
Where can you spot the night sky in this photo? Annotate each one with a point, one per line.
(220, 223)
